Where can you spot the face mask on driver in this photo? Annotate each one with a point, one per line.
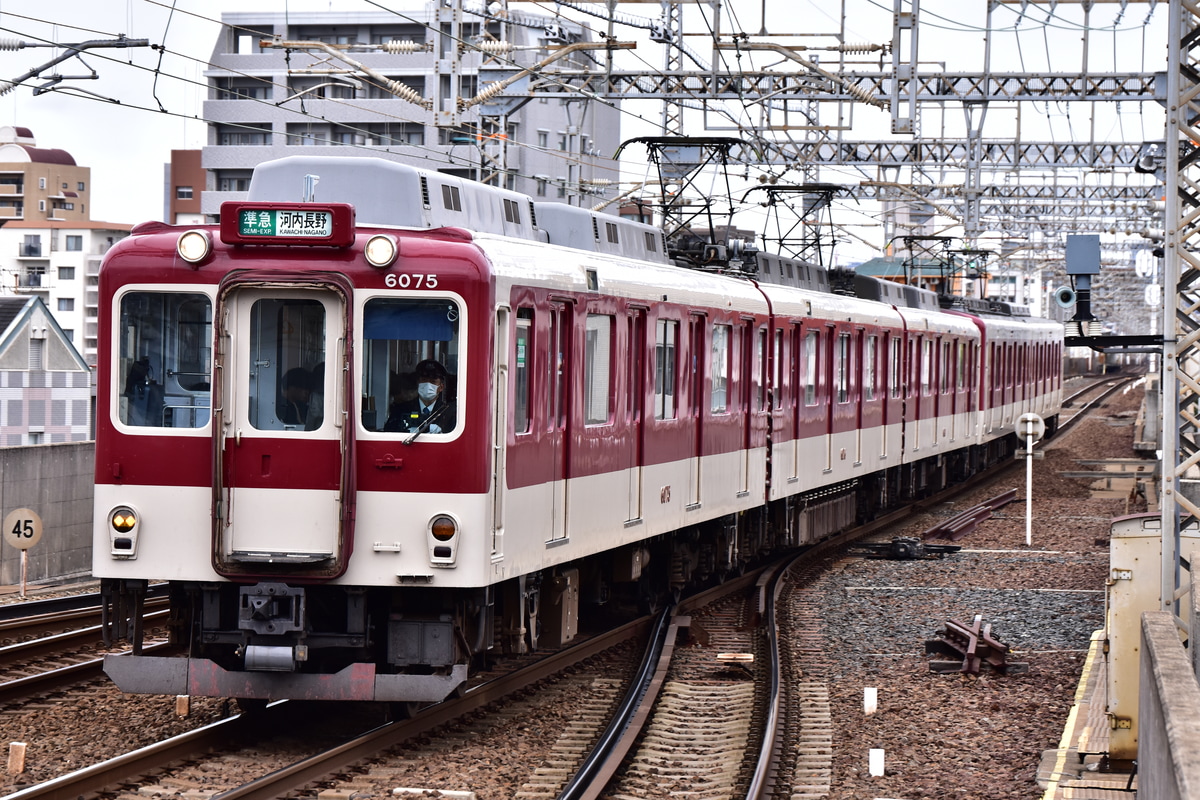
(427, 391)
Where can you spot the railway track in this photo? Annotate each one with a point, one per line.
(51, 651)
(715, 654)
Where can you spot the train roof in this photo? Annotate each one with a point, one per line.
(386, 193)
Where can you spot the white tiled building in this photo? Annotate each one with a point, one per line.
(50, 248)
(45, 385)
(267, 103)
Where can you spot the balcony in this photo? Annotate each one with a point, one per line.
(29, 251)
(32, 283)
(11, 212)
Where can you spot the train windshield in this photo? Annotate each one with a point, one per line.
(410, 365)
(164, 360)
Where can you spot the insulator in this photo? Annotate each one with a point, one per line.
(6, 87)
(11, 44)
(490, 91)
(862, 95)
(495, 48)
(600, 182)
(405, 92)
(397, 47)
(859, 47)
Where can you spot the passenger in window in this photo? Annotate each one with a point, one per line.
(138, 378)
(297, 388)
(431, 411)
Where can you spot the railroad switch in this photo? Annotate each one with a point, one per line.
(973, 645)
(903, 548)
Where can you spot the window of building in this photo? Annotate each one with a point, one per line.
(81, 186)
(243, 89)
(69, 333)
(233, 180)
(598, 367)
(37, 352)
(41, 205)
(719, 365)
(66, 304)
(543, 139)
(66, 273)
(562, 186)
(540, 184)
(41, 183)
(385, 134)
(664, 368)
(74, 242)
(183, 193)
(245, 134)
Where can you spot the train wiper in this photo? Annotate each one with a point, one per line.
(424, 425)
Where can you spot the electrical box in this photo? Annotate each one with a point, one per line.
(1134, 586)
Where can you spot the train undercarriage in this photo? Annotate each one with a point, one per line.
(273, 639)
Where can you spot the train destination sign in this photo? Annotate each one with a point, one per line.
(267, 223)
(272, 222)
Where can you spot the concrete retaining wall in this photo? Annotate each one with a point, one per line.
(57, 482)
(1168, 714)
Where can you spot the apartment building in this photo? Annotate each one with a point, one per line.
(50, 248)
(406, 88)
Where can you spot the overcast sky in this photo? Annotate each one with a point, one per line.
(124, 124)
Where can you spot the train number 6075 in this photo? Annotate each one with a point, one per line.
(415, 280)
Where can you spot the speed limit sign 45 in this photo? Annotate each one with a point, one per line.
(23, 528)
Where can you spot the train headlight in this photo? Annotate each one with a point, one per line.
(123, 532)
(194, 246)
(443, 540)
(380, 251)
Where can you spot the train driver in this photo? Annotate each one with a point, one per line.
(431, 410)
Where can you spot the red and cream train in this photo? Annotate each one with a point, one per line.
(618, 427)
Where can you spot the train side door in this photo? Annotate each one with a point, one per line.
(558, 411)
(699, 355)
(636, 406)
(281, 479)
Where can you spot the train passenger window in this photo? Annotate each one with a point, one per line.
(598, 368)
(777, 378)
(945, 368)
(410, 373)
(810, 368)
(522, 418)
(926, 368)
(962, 364)
(760, 355)
(720, 369)
(894, 368)
(287, 364)
(869, 359)
(163, 372)
(665, 355)
(841, 368)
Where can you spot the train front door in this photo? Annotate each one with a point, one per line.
(280, 429)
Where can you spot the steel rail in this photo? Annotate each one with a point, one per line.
(57, 643)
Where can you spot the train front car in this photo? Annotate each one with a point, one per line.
(293, 431)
